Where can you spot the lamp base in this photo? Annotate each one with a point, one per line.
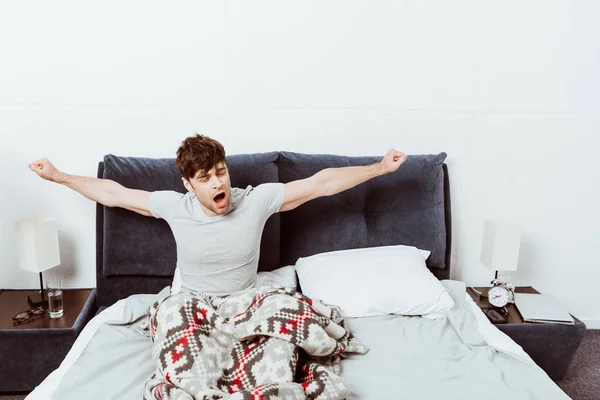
(36, 300)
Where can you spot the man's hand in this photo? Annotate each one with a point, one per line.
(392, 161)
(44, 168)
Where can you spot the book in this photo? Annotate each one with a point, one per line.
(542, 308)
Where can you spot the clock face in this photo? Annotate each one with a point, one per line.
(498, 296)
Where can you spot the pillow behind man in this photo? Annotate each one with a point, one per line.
(374, 281)
(280, 278)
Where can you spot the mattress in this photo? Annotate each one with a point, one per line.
(456, 355)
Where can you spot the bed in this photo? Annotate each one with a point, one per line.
(416, 351)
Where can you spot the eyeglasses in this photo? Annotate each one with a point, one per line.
(27, 316)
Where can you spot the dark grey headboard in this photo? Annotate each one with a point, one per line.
(136, 254)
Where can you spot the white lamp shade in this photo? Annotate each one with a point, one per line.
(501, 243)
(37, 244)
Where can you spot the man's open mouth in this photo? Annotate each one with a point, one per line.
(219, 199)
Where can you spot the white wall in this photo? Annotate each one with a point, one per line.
(509, 90)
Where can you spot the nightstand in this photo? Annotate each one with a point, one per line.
(33, 350)
(551, 346)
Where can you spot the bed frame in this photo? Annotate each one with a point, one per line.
(137, 254)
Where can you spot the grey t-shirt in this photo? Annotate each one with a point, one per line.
(218, 254)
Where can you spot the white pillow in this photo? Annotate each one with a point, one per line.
(280, 277)
(374, 281)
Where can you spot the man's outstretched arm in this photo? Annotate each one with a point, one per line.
(103, 191)
(331, 181)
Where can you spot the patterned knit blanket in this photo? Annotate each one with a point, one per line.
(255, 344)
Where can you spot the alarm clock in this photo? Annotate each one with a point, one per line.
(501, 293)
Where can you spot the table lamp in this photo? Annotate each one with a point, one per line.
(500, 247)
(37, 249)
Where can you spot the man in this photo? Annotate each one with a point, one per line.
(217, 228)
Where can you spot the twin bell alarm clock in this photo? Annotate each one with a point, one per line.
(501, 293)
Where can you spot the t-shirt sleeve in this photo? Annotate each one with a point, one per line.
(269, 197)
(163, 203)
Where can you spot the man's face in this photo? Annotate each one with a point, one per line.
(212, 188)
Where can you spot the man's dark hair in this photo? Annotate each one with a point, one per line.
(197, 153)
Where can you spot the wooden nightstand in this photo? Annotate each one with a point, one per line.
(551, 346)
(514, 317)
(32, 350)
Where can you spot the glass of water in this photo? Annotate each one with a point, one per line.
(55, 297)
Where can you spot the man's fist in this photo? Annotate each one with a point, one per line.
(44, 168)
(392, 161)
